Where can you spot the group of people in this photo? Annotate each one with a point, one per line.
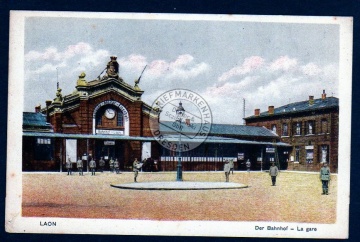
(114, 166)
(325, 176)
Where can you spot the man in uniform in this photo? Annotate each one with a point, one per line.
(325, 178)
(231, 166)
(136, 169)
(248, 165)
(68, 166)
(92, 165)
(227, 170)
(79, 165)
(101, 164)
(273, 172)
(111, 163)
(117, 166)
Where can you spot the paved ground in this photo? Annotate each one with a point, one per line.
(183, 185)
(296, 198)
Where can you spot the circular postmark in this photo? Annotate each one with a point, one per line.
(180, 120)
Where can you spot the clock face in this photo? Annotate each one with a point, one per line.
(110, 113)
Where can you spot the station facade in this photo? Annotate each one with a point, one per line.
(106, 118)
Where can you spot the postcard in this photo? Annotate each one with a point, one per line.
(179, 124)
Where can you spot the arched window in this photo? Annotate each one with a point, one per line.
(120, 118)
(99, 118)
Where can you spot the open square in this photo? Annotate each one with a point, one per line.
(296, 198)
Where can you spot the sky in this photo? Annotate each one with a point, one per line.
(266, 63)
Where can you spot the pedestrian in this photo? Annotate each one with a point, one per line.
(136, 167)
(231, 166)
(273, 172)
(68, 166)
(117, 166)
(227, 170)
(79, 165)
(92, 165)
(111, 163)
(101, 164)
(325, 178)
(248, 165)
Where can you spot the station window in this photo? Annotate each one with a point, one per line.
(324, 126)
(324, 154)
(310, 127)
(297, 153)
(285, 131)
(309, 156)
(297, 128)
(99, 119)
(120, 118)
(43, 149)
(273, 128)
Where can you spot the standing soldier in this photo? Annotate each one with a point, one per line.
(273, 172)
(136, 169)
(68, 166)
(101, 164)
(79, 165)
(325, 178)
(92, 165)
(117, 166)
(227, 170)
(231, 166)
(248, 165)
(111, 163)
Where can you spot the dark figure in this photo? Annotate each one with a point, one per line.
(136, 167)
(117, 166)
(79, 165)
(273, 172)
(227, 170)
(325, 178)
(231, 166)
(248, 165)
(101, 164)
(92, 165)
(111, 163)
(68, 166)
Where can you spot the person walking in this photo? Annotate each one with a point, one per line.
(101, 164)
(68, 166)
(92, 165)
(227, 170)
(79, 165)
(248, 165)
(117, 166)
(231, 166)
(136, 167)
(273, 172)
(111, 163)
(325, 178)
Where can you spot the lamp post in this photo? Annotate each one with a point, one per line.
(180, 111)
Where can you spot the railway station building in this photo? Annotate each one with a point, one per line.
(106, 118)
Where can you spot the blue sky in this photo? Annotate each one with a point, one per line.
(222, 58)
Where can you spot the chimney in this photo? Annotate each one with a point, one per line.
(271, 109)
(37, 108)
(257, 112)
(311, 100)
(48, 103)
(323, 95)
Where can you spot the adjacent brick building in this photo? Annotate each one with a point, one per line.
(311, 127)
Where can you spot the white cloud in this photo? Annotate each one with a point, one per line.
(311, 69)
(53, 54)
(270, 87)
(283, 63)
(250, 64)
